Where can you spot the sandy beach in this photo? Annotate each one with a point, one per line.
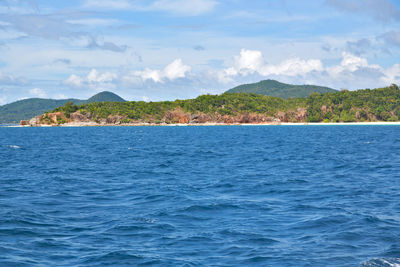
(93, 124)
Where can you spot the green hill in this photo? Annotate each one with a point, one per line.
(105, 96)
(278, 89)
(28, 108)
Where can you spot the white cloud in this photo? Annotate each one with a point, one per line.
(248, 61)
(351, 63)
(149, 74)
(292, 67)
(94, 79)
(74, 81)
(178, 7)
(352, 72)
(4, 23)
(12, 80)
(184, 7)
(93, 22)
(391, 37)
(252, 61)
(93, 43)
(356, 72)
(383, 10)
(38, 92)
(176, 69)
(392, 75)
(52, 27)
(16, 7)
(108, 4)
(42, 26)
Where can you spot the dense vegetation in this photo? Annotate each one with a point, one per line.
(105, 96)
(275, 88)
(225, 104)
(381, 104)
(28, 108)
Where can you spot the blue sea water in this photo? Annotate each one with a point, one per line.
(200, 196)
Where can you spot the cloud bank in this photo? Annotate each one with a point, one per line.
(252, 61)
(352, 70)
(177, 7)
(93, 79)
(249, 65)
(96, 80)
(382, 10)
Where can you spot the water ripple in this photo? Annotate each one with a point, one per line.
(200, 196)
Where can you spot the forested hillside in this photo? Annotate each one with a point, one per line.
(382, 104)
(28, 108)
(275, 88)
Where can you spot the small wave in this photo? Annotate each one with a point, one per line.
(121, 256)
(123, 229)
(211, 207)
(259, 240)
(321, 222)
(13, 146)
(145, 220)
(257, 260)
(383, 262)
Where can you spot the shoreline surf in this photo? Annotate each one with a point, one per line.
(91, 124)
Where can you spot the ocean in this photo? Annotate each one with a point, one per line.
(200, 196)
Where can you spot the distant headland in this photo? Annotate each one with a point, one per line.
(24, 109)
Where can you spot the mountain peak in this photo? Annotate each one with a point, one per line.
(105, 96)
(278, 89)
(28, 108)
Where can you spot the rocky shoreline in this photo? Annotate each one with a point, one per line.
(397, 123)
(173, 117)
(179, 118)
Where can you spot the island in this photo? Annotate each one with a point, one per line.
(366, 105)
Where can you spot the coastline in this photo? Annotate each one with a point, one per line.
(93, 124)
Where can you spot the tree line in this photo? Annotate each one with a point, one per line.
(381, 104)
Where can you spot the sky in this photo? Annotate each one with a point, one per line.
(177, 49)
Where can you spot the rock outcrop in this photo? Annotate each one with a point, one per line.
(301, 115)
(199, 118)
(177, 115)
(114, 119)
(78, 117)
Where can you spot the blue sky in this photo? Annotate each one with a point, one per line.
(168, 49)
